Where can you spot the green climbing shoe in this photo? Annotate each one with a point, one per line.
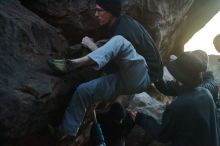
(61, 65)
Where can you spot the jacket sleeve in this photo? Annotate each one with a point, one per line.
(210, 84)
(166, 87)
(149, 124)
(169, 125)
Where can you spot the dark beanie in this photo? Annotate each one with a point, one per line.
(187, 68)
(117, 111)
(112, 6)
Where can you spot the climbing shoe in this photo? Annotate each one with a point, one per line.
(61, 65)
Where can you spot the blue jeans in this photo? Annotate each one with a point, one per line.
(131, 78)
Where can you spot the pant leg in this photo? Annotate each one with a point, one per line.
(117, 46)
(101, 89)
(132, 66)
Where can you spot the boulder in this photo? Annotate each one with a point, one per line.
(171, 23)
(26, 97)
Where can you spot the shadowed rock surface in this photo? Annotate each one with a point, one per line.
(170, 22)
(25, 85)
(31, 96)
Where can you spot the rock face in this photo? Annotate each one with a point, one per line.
(30, 31)
(170, 22)
(74, 17)
(26, 42)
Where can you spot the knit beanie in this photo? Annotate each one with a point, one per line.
(187, 68)
(112, 6)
